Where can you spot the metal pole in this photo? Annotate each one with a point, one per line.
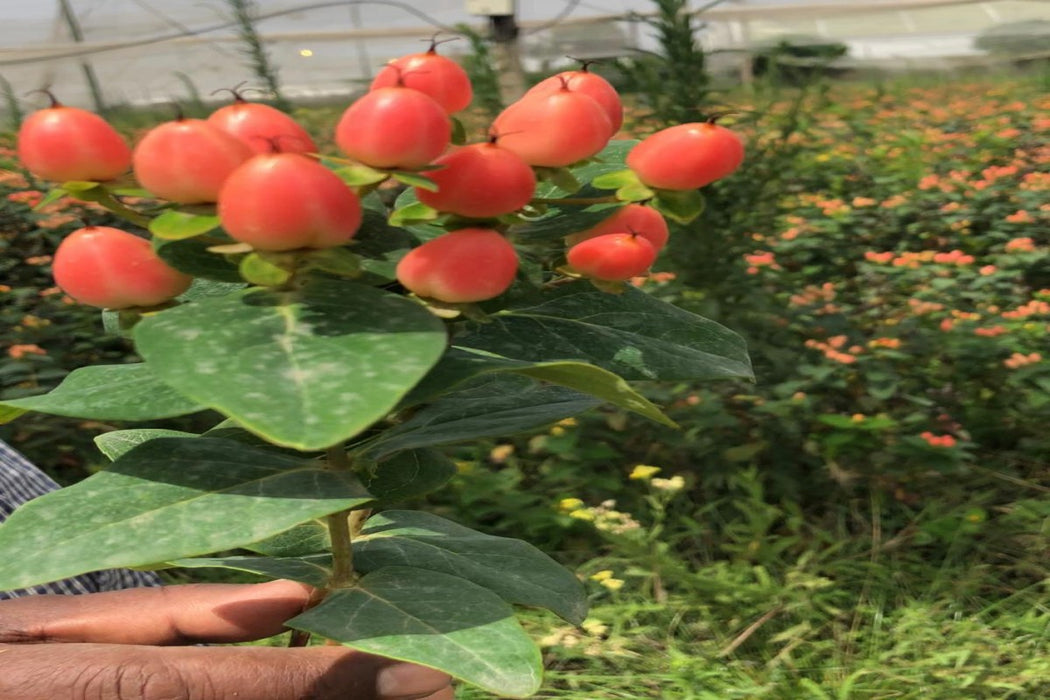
(507, 52)
(89, 72)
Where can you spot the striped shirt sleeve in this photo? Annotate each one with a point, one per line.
(21, 482)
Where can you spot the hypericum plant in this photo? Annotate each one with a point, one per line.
(346, 344)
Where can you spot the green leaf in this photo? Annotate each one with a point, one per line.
(461, 364)
(562, 178)
(610, 160)
(615, 180)
(433, 619)
(682, 206)
(306, 368)
(312, 569)
(167, 499)
(9, 413)
(489, 406)
(560, 221)
(110, 392)
(263, 270)
(413, 213)
(310, 537)
(634, 192)
(459, 131)
(409, 474)
(175, 225)
(51, 197)
(115, 443)
(360, 175)
(338, 261)
(191, 255)
(421, 229)
(631, 334)
(515, 570)
(415, 180)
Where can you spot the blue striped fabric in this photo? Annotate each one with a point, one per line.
(20, 481)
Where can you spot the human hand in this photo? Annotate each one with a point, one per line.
(124, 645)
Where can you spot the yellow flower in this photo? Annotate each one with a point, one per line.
(672, 485)
(499, 453)
(643, 472)
(557, 431)
(568, 504)
(568, 422)
(613, 584)
(858, 417)
(464, 466)
(582, 514)
(602, 575)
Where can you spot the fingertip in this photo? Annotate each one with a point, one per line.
(406, 680)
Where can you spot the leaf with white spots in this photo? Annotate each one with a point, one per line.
(110, 392)
(306, 368)
(515, 570)
(631, 334)
(167, 499)
(433, 619)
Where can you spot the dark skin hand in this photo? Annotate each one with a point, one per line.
(126, 645)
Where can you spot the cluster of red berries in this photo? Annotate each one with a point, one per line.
(271, 192)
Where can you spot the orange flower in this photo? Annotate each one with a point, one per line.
(1023, 245)
(20, 351)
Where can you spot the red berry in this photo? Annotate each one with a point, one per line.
(553, 129)
(612, 257)
(481, 180)
(109, 268)
(587, 83)
(394, 127)
(187, 160)
(686, 156)
(61, 143)
(284, 201)
(438, 76)
(262, 128)
(470, 264)
(632, 218)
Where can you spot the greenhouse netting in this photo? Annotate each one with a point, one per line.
(139, 52)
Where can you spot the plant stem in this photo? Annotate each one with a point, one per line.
(581, 201)
(339, 529)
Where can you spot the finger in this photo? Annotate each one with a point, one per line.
(166, 615)
(122, 672)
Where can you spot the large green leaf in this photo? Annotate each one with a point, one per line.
(110, 392)
(305, 368)
(409, 474)
(314, 569)
(167, 499)
(514, 569)
(460, 364)
(433, 619)
(489, 406)
(116, 442)
(632, 334)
